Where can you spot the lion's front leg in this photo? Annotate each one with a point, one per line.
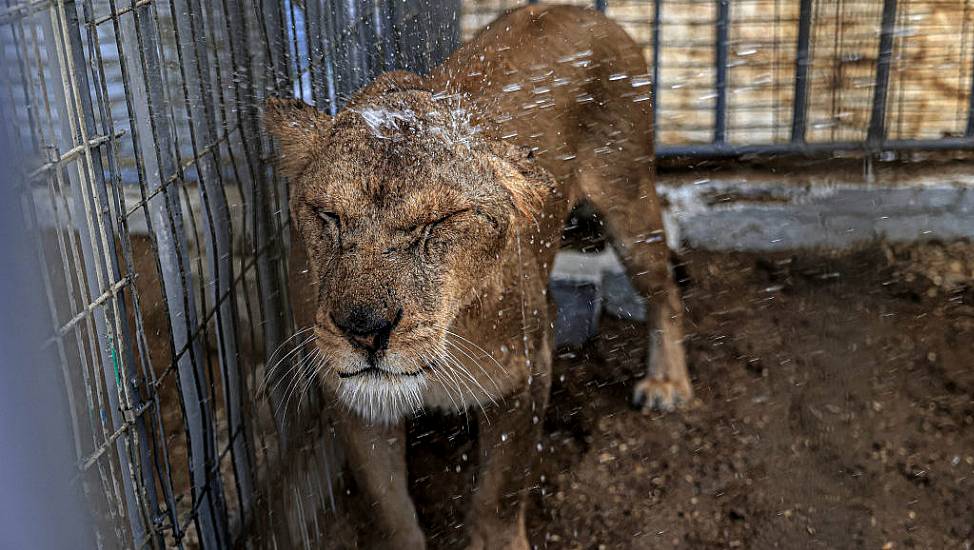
(508, 444)
(377, 457)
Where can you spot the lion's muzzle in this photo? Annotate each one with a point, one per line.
(367, 328)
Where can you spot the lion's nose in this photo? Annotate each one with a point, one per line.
(365, 327)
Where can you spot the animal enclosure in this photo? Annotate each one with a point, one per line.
(161, 225)
(798, 76)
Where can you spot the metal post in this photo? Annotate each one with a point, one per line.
(877, 123)
(720, 62)
(654, 85)
(163, 213)
(802, 61)
(195, 71)
(970, 104)
(386, 30)
(97, 245)
(266, 203)
(316, 46)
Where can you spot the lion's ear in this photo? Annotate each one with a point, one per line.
(528, 184)
(298, 128)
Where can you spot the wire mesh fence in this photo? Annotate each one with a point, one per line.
(798, 76)
(159, 226)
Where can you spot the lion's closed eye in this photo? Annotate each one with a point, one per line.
(328, 217)
(428, 233)
(433, 222)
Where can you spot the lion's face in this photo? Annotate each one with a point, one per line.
(404, 211)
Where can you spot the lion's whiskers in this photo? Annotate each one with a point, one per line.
(290, 372)
(466, 372)
(478, 348)
(294, 382)
(476, 363)
(272, 368)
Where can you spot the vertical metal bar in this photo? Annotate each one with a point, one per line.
(267, 232)
(356, 28)
(387, 35)
(164, 470)
(802, 62)
(103, 202)
(45, 103)
(272, 18)
(877, 123)
(372, 25)
(657, 56)
(266, 238)
(720, 64)
(969, 132)
(92, 199)
(448, 29)
(194, 67)
(316, 47)
(164, 215)
(331, 59)
(293, 38)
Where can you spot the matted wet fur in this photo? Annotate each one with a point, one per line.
(426, 216)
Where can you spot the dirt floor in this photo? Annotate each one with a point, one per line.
(835, 410)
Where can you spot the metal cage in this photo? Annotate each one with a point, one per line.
(805, 77)
(160, 227)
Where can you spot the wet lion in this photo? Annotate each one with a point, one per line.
(426, 216)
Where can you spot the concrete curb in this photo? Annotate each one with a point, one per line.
(737, 215)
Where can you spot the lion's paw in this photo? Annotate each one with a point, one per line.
(654, 394)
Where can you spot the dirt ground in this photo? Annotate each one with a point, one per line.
(835, 410)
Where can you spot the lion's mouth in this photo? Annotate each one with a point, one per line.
(376, 371)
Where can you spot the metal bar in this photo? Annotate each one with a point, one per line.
(385, 26)
(67, 247)
(134, 416)
(245, 108)
(164, 216)
(191, 35)
(98, 239)
(359, 59)
(68, 156)
(114, 15)
(331, 59)
(720, 62)
(969, 132)
(824, 149)
(654, 85)
(802, 61)
(877, 122)
(289, 19)
(265, 240)
(276, 45)
(315, 39)
(265, 205)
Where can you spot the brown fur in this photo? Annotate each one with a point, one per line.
(544, 108)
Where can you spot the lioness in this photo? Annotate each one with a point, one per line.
(428, 213)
